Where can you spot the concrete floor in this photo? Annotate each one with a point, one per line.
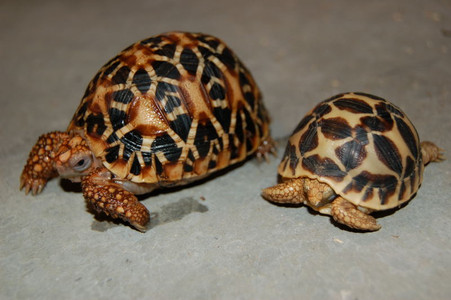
(220, 239)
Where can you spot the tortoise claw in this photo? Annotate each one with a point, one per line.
(139, 227)
(35, 186)
(266, 148)
(441, 156)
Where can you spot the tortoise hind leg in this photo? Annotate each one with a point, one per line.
(109, 197)
(431, 153)
(346, 213)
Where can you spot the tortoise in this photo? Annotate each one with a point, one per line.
(351, 155)
(166, 111)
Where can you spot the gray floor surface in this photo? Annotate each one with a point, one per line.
(220, 239)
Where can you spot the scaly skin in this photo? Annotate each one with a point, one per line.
(53, 155)
(431, 153)
(290, 191)
(346, 213)
(40, 164)
(109, 197)
(318, 196)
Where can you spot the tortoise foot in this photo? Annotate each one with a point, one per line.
(40, 164)
(110, 198)
(346, 213)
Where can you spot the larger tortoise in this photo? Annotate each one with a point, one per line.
(351, 155)
(167, 110)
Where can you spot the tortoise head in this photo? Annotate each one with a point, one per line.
(75, 159)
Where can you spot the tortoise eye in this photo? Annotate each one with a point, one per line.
(82, 164)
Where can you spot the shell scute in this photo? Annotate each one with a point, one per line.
(142, 80)
(323, 167)
(388, 153)
(353, 105)
(121, 75)
(336, 128)
(408, 135)
(165, 69)
(351, 154)
(309, 140)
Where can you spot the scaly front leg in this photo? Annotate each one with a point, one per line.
(100, 190)
(40, 164)
(346, 213)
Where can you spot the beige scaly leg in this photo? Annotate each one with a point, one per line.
(346, 213)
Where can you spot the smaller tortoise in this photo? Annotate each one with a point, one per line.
(353, 154)
(166, 111)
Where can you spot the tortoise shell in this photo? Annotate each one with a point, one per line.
(364, 147)
(172, 107)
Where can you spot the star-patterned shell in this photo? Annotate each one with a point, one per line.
(362, 146)
(171, 108)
